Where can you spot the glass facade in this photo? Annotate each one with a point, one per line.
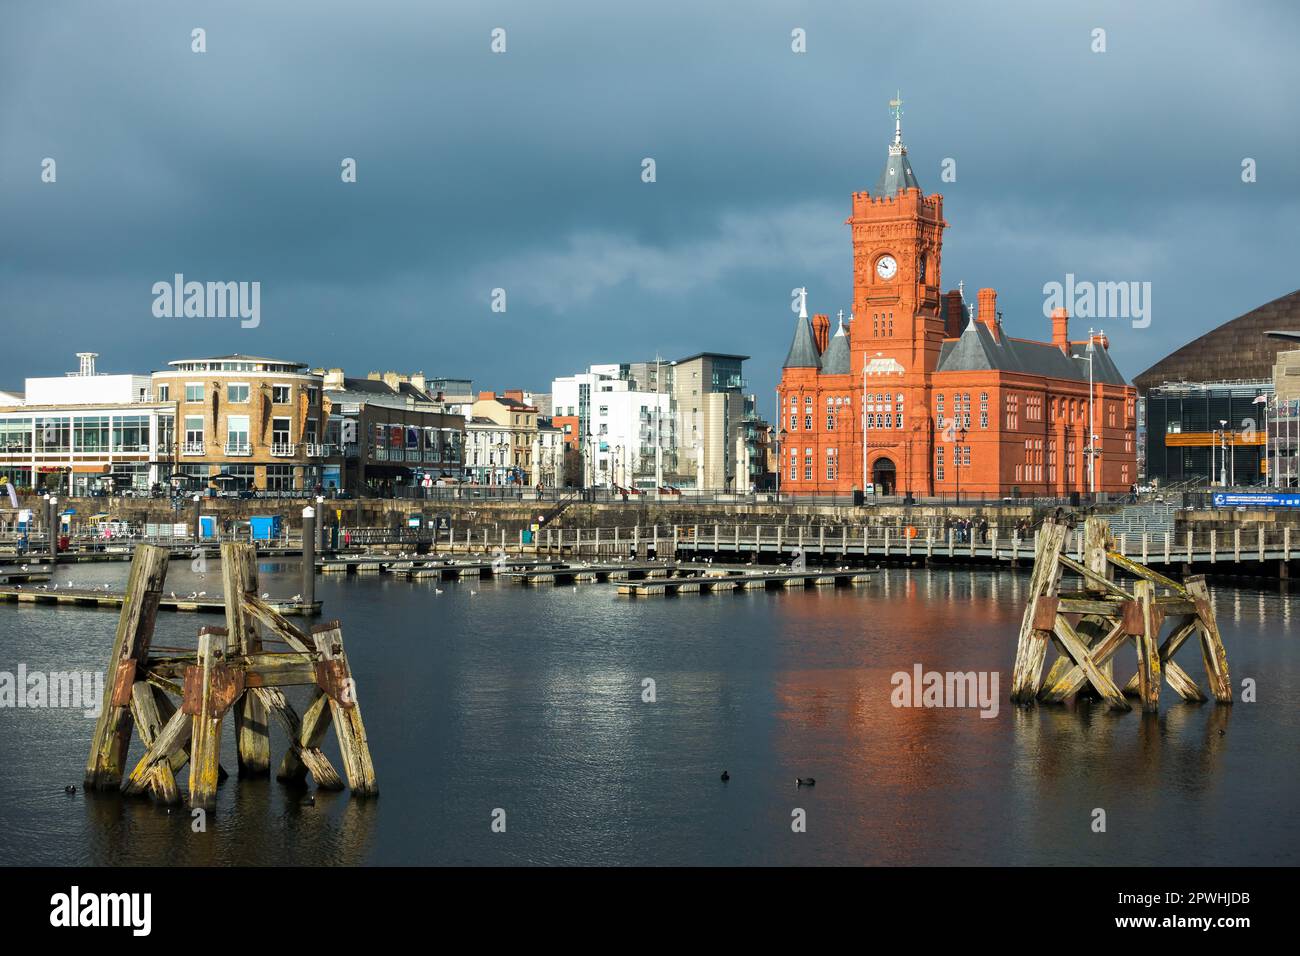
(1184, 432)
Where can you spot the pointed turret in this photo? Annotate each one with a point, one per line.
(898, 171)
(803, 349)
(836, 358)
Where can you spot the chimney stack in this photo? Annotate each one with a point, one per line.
(1061, 330)
(953, 313)
(988, 311)
(821, 325)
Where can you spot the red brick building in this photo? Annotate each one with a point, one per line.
(920, 393)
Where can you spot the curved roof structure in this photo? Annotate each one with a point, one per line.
(1243, 348)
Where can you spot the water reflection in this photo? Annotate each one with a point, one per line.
(535, 702)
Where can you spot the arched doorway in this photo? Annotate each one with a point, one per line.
(884, 475)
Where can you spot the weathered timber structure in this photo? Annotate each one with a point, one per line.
(1090, 625)
(232, 670)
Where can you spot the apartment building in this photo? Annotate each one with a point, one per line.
(245, 422)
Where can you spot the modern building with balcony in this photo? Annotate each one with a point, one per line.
(87, 433)
(245, 423)
(617, 420)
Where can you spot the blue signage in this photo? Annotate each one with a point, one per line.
(1224, 499)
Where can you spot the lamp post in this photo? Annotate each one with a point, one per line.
(196, 517)
(323, 530)
(1092, 437)
(1223, 448)
(960, 434)
(780, 462)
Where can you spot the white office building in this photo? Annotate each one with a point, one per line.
(86, 433)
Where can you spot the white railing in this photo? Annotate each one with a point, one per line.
(238, 448)
(281, 449)
(192, 448)
(316, 450)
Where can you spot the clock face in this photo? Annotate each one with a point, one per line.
(886, 267)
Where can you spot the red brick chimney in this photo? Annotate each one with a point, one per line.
(517, 394)
(486, 396)
(821, 325)
(988, 314)
(1061, 330)
(953, 314)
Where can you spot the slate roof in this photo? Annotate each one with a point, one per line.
(896, 175)
(975, 350)
(803, 349)
(836, 359)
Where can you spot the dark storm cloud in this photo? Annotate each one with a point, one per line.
(522, 171)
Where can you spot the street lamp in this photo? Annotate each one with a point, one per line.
(1223, 457)
(960, 434)
(780, 462)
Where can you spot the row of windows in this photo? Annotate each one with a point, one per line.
(1069, 409)
(82, 433)
(832, 464)
(236, 393)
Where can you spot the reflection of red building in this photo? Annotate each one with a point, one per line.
(951, 401)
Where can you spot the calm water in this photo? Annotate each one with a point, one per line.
(493, 696)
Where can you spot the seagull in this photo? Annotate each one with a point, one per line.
(472, 593)
(725, 776)
(297, 597)
(437, 590)
(265, 595)
(804, 781)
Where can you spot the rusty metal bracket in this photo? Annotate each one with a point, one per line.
(333, 677)
(1045, 612)
(123, 681)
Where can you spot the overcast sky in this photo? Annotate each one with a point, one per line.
(522, 171)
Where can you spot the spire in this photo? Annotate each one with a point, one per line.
(803, 348)
(836, 358)
(898, 171)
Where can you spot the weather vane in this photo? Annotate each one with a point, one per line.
(896, 105)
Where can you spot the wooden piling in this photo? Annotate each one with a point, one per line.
(335, 679)
(1108, 617)
(108, 748)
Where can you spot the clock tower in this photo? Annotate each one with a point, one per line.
(898, 326)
